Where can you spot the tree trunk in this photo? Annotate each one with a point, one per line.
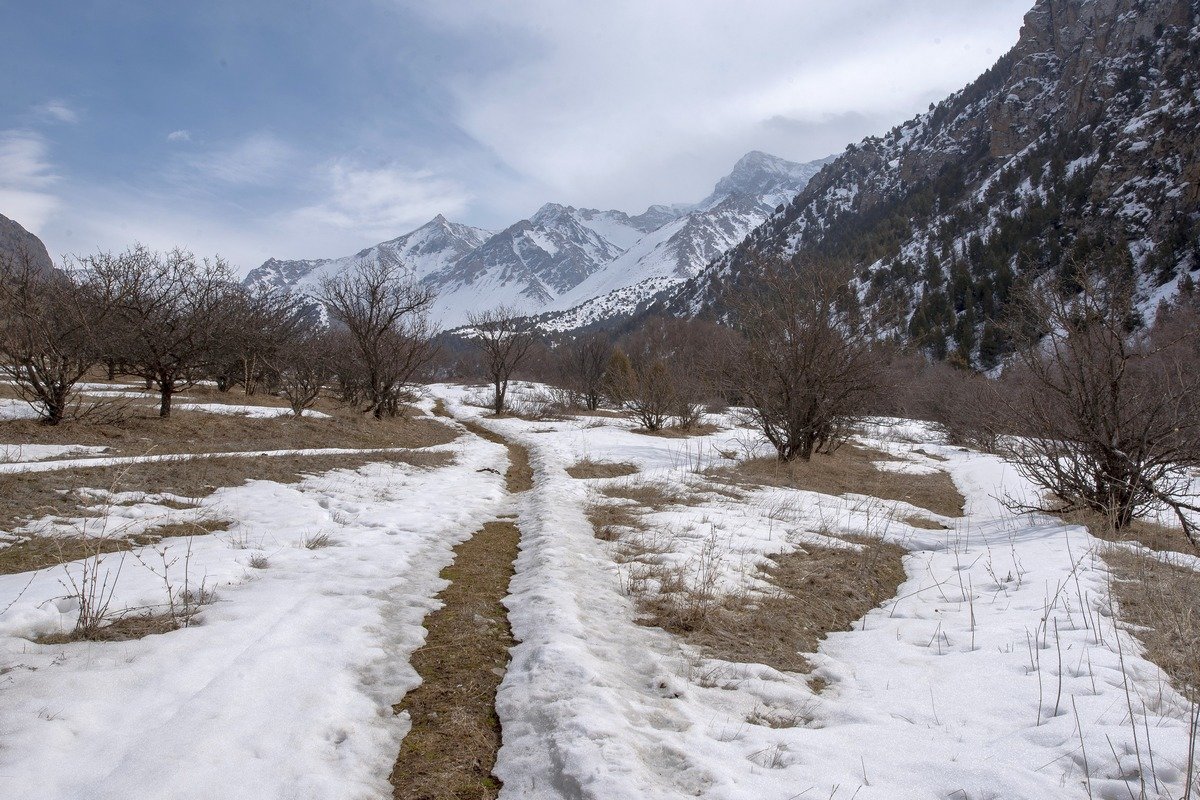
(498, 405)
(168, 389)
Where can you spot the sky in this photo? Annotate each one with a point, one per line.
(301, 129)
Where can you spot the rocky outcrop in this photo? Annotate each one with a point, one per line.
(1082, 138)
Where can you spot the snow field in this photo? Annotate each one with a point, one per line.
(285, 687)
(997, 671)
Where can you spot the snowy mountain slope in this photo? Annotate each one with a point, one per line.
(564, 257)
(680, 249)
(1083, 138)
(426, 250)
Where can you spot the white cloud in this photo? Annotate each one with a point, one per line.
(626, 102)
(56, 111)
(257, 159)
(383, 202)
(179, 136)
(26, 178)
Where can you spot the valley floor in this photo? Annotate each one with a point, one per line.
(998, 669)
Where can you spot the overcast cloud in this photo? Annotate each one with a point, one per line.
(256, 129)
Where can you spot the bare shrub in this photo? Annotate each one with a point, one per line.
(581, 368)
(808, 367)
(302, 367)
(1109, 417)
(504, 342)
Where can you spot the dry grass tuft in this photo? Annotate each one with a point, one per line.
(819, 590)
(1164, 601)
(123, 629)
(587, 469)
(850, 470)
(672, 432)
(316, 541)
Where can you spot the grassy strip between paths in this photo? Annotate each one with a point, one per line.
(451, 749)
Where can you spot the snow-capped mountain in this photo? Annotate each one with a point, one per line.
(1082, 140)
(427, 250)
(682, 247)
(574, 266)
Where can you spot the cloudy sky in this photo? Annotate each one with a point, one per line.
(257, 128)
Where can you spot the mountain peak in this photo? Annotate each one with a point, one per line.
(760, 174)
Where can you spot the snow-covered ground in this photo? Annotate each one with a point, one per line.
(996, 672)
(285, 688)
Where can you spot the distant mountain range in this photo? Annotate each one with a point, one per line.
(572, 266)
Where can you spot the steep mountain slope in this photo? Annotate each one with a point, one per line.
(1082, 138)
(18, 243)
(528, 264)
(426, 250)
(680, 249)
(563, 256)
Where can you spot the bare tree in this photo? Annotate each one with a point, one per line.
(641, 377)
(807, 368)
(172, 317)
(263, 324)
(504, 342)
(582, 364)
(385, 314)
(49, 338)
(302, 367)
(1109, 416)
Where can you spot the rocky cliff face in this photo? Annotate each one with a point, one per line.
(1082, 138)
(18, 243)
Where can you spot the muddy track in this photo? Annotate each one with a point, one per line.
(450, 751)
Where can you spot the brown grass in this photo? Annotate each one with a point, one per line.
(587, 469)
(850, 470)
(451, 749)
(200, 432)
(33, 495)
(123, 629)
(1151, 534)
(673, 432)
(819, 590)
(40, 552)
(1164, 600)
(519, 476)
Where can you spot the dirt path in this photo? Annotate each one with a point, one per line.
(450, 751)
